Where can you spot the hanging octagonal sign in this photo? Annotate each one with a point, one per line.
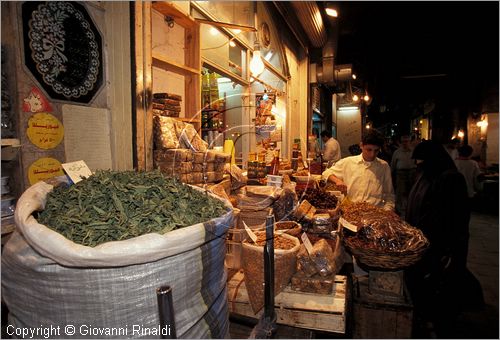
(63, 49)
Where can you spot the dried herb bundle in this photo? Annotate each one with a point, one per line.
(111, 205)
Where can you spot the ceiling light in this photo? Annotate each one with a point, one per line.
(331, 10)
(482, 123)
(366, 98)
(355, 98)
(256, 64)
(268, 55)
(348, 108)
(237, 31)
(214, 31)
(353, 76)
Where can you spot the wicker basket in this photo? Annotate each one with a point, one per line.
(384, 260)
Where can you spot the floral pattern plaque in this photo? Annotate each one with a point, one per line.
(63, 49)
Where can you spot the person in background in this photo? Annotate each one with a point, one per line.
(331, 149)
(364, 177)
(403, 173)
(469, 169)
(385, 152)
(313, 150)
(354, 150)
(438, 205)
(452, 148)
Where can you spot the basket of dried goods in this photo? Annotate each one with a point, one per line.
(285, 251)
(323, 201)
(288, 227)
(379, 238)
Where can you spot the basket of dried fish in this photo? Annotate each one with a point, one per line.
(379, 238)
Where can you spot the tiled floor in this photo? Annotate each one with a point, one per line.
(483, 263)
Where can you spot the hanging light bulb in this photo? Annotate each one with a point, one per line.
(355, 98)
(256, 64)
(366, 98)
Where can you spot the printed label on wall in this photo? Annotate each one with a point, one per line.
(36, 102)
(45, 130)
(44, 168)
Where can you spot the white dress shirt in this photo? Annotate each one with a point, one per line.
(470, 170)
(331, 151)
(365, 181)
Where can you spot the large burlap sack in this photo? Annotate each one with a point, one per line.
(49, 280)
(253, 266)
(145, 248)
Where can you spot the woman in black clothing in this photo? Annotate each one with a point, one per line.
(438, 205)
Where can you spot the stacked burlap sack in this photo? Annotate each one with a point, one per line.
(167, 104)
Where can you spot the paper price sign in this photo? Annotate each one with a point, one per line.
(77, 170)
(348, 225)
(250, 233)
(306, 242)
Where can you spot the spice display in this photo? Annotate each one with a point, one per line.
(313, 284)
(319, 198)
(112, 205)
(280, 242)
(253, 266)
(323, 257)
(380, 230)
(305, 264)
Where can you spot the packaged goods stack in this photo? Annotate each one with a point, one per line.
(255, 203)
(167, 104)
(208, 166)
(316, 268)
(181, 153)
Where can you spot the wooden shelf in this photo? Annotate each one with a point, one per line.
(163, 62)
(170, 9)
(188, 120)
(11, 142)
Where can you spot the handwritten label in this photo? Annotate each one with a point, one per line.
(77, 170)
(250, 233)
(306, 242)
(45, 131)
(44, 168)
(348, 225)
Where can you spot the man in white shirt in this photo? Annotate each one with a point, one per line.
(331, 149)
(364, 177)
(452, 148)
(403, 173)
(468, 168)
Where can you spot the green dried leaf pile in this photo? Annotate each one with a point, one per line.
(118, 205)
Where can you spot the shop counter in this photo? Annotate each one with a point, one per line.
(303, 310)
